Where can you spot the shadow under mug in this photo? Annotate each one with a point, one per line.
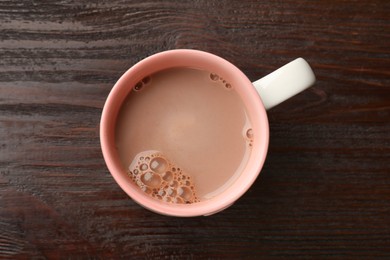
(257, 97)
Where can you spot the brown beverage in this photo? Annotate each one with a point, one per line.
(183, 135)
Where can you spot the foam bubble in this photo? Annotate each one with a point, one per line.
(174, 184)
(150, 179)
(185, 193)
(167, 176)
(158, 165)
(143, 167)
(249, 133)
(161, 192)
(138, 86)
(214, 77)
(171, 191)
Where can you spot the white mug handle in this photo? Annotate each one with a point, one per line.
(284, 82)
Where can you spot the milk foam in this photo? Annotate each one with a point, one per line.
(161, 178)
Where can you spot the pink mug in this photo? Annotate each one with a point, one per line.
(258, 96)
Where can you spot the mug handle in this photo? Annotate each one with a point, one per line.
(285, 82)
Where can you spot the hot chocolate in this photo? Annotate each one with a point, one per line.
(183, 135)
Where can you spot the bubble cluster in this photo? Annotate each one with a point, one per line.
(140, 85)
(162, 179)
(216, 77)
(249, 136)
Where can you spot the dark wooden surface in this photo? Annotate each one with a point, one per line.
(324, 191)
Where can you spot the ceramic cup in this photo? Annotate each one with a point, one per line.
(258, 96)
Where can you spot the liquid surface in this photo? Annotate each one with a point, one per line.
(188, 119)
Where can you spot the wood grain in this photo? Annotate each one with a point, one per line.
(324, 191)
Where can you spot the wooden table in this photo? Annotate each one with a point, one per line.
(324, 191)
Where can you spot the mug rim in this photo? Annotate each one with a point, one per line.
(254, 107)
